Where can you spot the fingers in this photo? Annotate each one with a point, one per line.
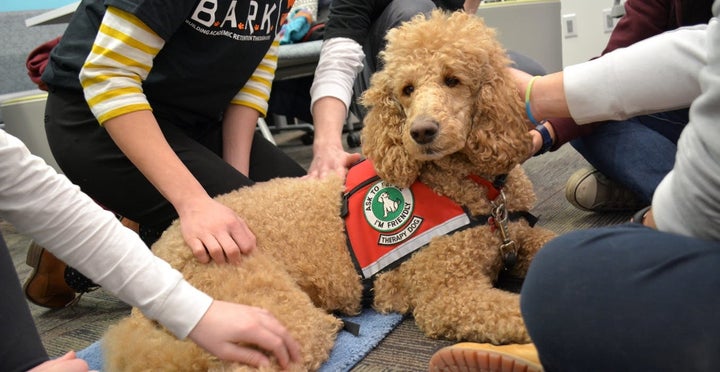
(536, 143)
(273, 338)
(244, 238)
(278, 341)
(245, 334)
(338, 164)
(238, 241)
(216, 250)
(220, 235)
(68, 356)
(245, 355)
(198, 249)
(66, 363)
(352, 159)
(224, 247)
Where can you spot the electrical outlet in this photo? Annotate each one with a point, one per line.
(569, 25)
(608, 20)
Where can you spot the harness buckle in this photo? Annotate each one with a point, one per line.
(508, 250)
(508, 247)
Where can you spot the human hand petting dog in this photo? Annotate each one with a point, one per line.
(329, 156)
(215, 232)
(331, 159)
(522, 79)
(241, 333)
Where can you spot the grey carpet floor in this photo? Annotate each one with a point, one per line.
(404, 349)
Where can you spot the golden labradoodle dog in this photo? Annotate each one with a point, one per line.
(444, 122)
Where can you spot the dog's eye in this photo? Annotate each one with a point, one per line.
(408, 90)
(451, 81)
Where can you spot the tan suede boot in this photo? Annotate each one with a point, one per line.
(46, 284)
(469, 356)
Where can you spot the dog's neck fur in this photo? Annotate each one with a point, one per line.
(449, 177)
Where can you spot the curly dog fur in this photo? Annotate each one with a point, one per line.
(442, 108)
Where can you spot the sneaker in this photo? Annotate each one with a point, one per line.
(589, 190)
(46, 284)
(474, 357)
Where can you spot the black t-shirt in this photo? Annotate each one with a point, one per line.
(353, 18)
(211, 50)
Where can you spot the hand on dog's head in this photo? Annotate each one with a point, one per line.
(444, 93)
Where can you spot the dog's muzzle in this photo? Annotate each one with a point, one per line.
(424, 130)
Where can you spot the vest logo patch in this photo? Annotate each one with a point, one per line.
(385, 224)
(389, 210)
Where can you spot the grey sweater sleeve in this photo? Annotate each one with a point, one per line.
(656, 74)
(672, 70)
(687, 201)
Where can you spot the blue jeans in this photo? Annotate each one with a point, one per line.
(636, 153)
(625, 298)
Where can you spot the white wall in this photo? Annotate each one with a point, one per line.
(518, 29)
(589, 25)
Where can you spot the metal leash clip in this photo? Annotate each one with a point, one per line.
(508, 248)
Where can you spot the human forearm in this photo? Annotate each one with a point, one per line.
(329, 155)
(212, 230)
(329, 114)
(545, 95)
(139, 137)
(471, 6)
(331, 92)
(45, 205)
(239, 125)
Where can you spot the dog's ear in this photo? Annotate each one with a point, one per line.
(382, 133)
(498, 120)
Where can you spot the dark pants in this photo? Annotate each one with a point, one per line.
(90, 159)
(625, 298)
(20, 345)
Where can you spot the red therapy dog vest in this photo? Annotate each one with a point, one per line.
(385, 224)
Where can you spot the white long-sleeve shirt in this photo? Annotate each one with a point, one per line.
(43, 204)
(341, 59)
(672, 70)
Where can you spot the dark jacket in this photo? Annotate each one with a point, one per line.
(353, 18)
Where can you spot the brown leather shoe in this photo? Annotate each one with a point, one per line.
(130, 224)
(46, 285)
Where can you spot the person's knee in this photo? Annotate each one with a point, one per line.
(561, 258)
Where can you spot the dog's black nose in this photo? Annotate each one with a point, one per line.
(424, 130)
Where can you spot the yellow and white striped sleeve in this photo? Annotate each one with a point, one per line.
(120, 59)
(256, 92)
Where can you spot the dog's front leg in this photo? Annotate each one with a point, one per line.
(391, 293)
(472, 311)
(529, 241)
